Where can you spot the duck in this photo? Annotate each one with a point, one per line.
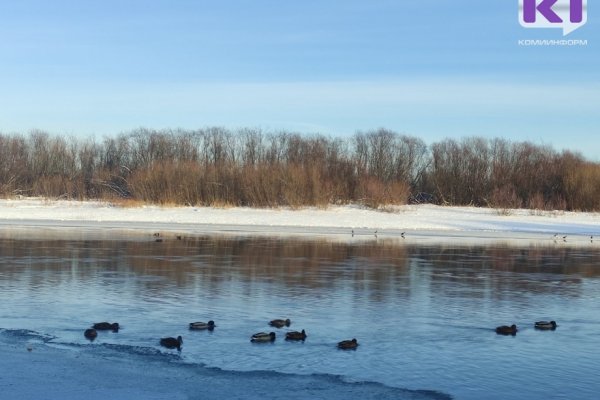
(197, 326)
(106, 326)
(545, 325)
(263, 337)
(507, 330)
(172, 343)
(295, 335)
(90, 334)
(348, 344)
(280, 323)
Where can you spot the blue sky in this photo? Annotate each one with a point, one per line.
(431, 69)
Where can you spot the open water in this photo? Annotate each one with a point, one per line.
(424, 316)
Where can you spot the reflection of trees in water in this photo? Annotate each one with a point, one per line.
(379, 268)
(208, 260)
(500, 271)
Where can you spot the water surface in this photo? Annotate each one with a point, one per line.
(424, 315)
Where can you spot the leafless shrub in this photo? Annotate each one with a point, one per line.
(217, 166)
(504, 200)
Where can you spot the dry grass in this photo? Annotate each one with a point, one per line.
(126, 203)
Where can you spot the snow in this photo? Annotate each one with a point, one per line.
(418, 221)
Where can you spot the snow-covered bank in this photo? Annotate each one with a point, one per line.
(418, 221)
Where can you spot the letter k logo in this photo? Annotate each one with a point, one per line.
(530, 10)
(565, 14)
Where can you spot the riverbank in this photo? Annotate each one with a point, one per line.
(417, 222)
(426, 222)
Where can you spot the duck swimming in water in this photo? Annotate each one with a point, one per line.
(295, 335)
(172, 343)
(507, 330)
(545, 325)
(348, 344)
(263, 337)
(280, 323)
(106, 326)
(90, 334)
(198, 326)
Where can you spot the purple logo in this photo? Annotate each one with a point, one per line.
(567, 15)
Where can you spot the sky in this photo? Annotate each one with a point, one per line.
(436, 69)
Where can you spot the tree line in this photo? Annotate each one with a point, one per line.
(249, 167)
